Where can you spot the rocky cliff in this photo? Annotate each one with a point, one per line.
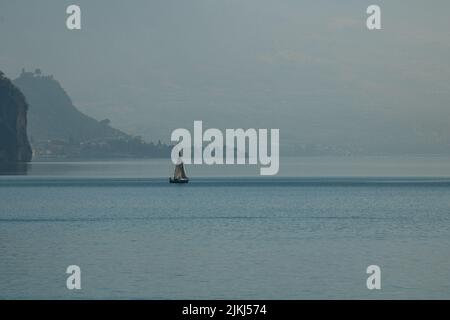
(14, 145)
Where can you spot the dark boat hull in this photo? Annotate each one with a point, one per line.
(172, 180)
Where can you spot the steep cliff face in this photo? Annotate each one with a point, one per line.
(14, 145)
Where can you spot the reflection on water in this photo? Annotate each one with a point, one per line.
(14, 169)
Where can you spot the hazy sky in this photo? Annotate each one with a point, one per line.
(310, 68)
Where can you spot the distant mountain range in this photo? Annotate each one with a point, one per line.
(57, 129)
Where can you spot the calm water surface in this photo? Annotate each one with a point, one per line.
(135, 236)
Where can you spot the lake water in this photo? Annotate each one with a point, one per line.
(229, 233)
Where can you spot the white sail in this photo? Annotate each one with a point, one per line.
(179, 172)
(183, 173)
(179, 175)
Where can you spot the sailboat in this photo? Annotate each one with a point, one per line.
(180, 175)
